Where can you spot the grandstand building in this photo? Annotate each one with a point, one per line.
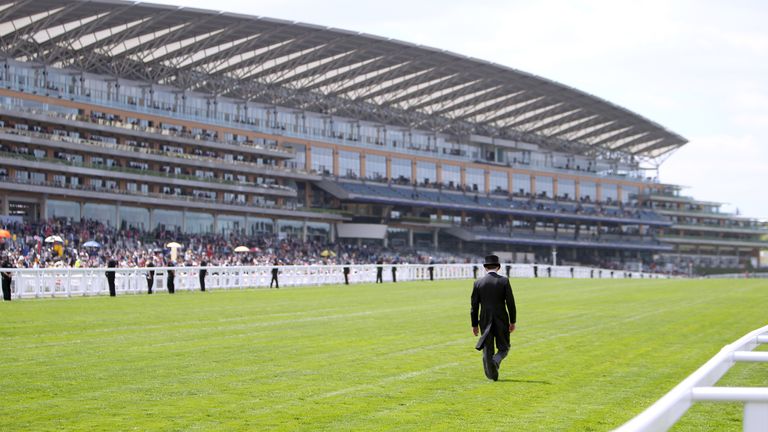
(156, 116)
(704, 238)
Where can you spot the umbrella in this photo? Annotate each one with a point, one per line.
(326, 253)
(173, 245)
(255, 249)
(242, 249)
(54, 239)
(92, 243)
(5, 233)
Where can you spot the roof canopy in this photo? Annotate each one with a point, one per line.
(321, 69)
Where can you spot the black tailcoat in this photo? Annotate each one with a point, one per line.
(493, 301)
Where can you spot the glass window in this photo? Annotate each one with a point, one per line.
(134, 217)
(544, 186)
(475, 179)
(197, 223)
(318, 231)
(290, 228)
(521, 183)
(170, 219)
(426, 172)
(629, 193)
(104, 213)
(609, 192)
(260, 225)
(401, 170)
(64, 209)
(587, 191)
(322, 160)
(349, 164)
(228, 224)
(451, 175)
(375, 167)
(566, 188)
(499, 182)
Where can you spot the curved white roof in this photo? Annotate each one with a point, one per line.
(321, 69)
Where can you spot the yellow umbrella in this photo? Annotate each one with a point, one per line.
(326, 253)
(242, 249)
(173, 245)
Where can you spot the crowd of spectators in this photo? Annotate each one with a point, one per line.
(131, 247)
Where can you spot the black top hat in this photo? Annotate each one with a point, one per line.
(492, 261)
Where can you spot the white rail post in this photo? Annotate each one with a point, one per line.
(755, 416)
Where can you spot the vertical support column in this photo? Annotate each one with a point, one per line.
(44, 207)
(533, 184)
(304, 231)
(577, 184)
(117, 214)
(332, 232)
(487, 181)
(215, 223)
(184, 220)
(510, 183)
(336, 166)
(463, 175)
(151, 218)
(599, 191)
(434, 237)
(619, 193)
(755, 416)
(554, 187)
(6, 207)
(439, 173)
(362, 166)
(388, 162)
(414, 173)
(410, 237)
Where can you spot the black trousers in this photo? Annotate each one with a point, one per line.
(171, 286)
(379, 278)
(150, 284)
(274, 279)
(491, 360)
(111, 283)
(431, 274)
(202, 282)
(346, 278)
(6, 289)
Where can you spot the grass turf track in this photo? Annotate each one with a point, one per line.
(588, 355)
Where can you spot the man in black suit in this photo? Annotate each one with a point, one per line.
(150, 277)
(493, 310)
(394, 272)
(379, 271)
(346, 274)
(170, 275)
(201, 275)
(111, 264)
(274, 280)
(7, 278)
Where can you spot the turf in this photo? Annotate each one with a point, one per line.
(588, 355)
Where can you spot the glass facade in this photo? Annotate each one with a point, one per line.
(349, 164)
(475, 179)
(228, 224)
(134, 217)
(322, 160)
(544, 186)
(566, 188)
(64, 209)
(451, 175)
(170, 219)
(401, 170)
(260, 226)
(629, 193)
(199, 222)
(587, 190)
(105, 213)
(610, 192)
(426, 172)
(521, 183)
(375, 167)
(499, 182)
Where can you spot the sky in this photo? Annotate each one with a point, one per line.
(697, 67)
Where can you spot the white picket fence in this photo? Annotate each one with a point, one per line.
(67, 282)
(699, 387)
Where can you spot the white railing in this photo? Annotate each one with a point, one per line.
(745, 275)
(699, 386)
(67, 282)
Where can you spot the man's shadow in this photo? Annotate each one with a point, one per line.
(524, 381)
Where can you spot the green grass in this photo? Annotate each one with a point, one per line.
(588, 355)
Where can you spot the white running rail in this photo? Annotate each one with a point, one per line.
(68, 282)
(699, 387)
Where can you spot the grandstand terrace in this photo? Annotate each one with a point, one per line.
(149, 116)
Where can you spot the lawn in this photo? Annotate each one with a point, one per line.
(588, 355)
